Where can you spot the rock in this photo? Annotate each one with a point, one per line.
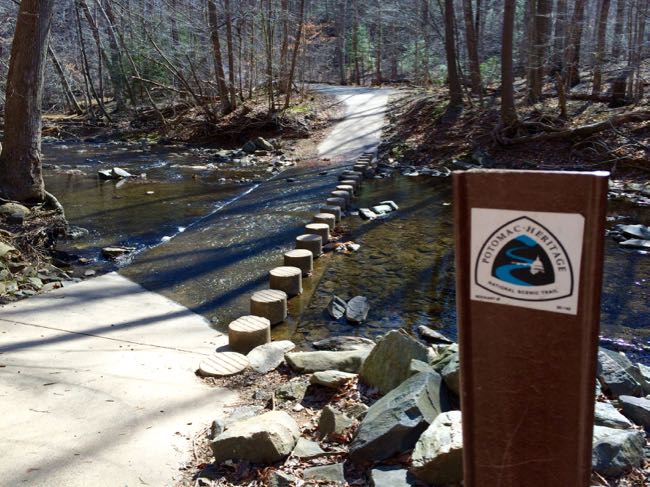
(438, 455)
(451, 374)
(388, 365)
(90, 273)
(615, 373)
(637, 409)
(336, 307)
(394, 423)
(615, 451)
(391, 476)
(635, 231)
(344, 343)
(332, 379)
(14, 210)
(367, 214)
(418, 366)
(75, 233)
(443, 354)
(105, 174)
(636, 243)
(282, 479)
(358, 410)
(432, 336)
(119, 173)
(607, 415)
(392, 205)
(333, 423)
(249, 147)
(263, 144)
(225, 420)
(332, 474)
(269, 356)
(347, 361)
(292, 391)
(642, 375)
(357, 309)
(6, 249)
(382, 209)
(114, 253)
(263, 439)
(307, 449)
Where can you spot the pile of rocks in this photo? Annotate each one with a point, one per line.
(356, 438)
(382, 209)
(632, 236)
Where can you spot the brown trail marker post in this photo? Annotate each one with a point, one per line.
(529, 257)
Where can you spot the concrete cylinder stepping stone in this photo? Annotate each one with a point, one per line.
(360, 167)
(326, 218)
(332, 210)
(287, 279)
(270, 304)
(322, 229)
(350, 182)
(340, 202)
(303, 259)
(311, 242)
(222, 364)
(342, 194)
(248, 332)
(346, 187)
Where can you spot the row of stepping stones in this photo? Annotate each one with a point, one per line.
(269, 307)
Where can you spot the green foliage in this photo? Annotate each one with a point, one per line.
(491, 68)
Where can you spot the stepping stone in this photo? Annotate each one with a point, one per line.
(222, 364)
(326, 218)
(248, 332)
(302, 259)
(270, 304)
(322, 229)
(343, 195)
(340, 202)
(347, 188)
(360, 167)
(311, 242)
(332, 210)
(350, 182)
(287, 279)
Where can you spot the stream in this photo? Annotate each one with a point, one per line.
(206, 238)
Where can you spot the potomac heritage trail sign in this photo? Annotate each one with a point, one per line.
(529, 256)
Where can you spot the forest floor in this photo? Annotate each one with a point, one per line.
(424, 132)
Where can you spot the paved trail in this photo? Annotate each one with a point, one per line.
(96, 379)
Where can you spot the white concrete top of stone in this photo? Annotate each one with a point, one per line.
(222, 364)
(286, 271)
(310, 236)
(299, 253)
(269, 296)
(317, 226)
(249, 323)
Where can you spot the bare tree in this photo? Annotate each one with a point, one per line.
(508, 111)
(455, 89)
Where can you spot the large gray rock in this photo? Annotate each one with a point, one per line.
(307, 449)
(615, 451)
(332, 474)
(394, 423)
(12, 209)
(292, 391)
(637, 409)
(438, 455)
(635, 231)
(636, 243)
(607, 415)
(282, 479)
(391, 476)
(388, 365)
(263, 439)
(451, 374)
(332, 379)
(643, 377)
(616, 374)
(333, 423)
(269, 356)
(433, 336)
(119, 173)
(308, 362)
(344, 343)
(263, 144)
(357, 309)
(336, 308)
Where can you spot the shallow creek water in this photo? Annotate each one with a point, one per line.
(405, 265)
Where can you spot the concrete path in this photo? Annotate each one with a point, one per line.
(97, 386)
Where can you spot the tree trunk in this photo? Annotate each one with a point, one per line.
(21, 176)
(355, 42)
(294, 57)
(378, 44)
(69, 95)
(559, 38)
(231, 56)
(222, 88)
(284, 48)
(600, 46)
(572, 58)
(618, 29)
(426, 34)
(508, 112)
(455, 89)
(472, 48)
(340, 42)
(539, 50)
